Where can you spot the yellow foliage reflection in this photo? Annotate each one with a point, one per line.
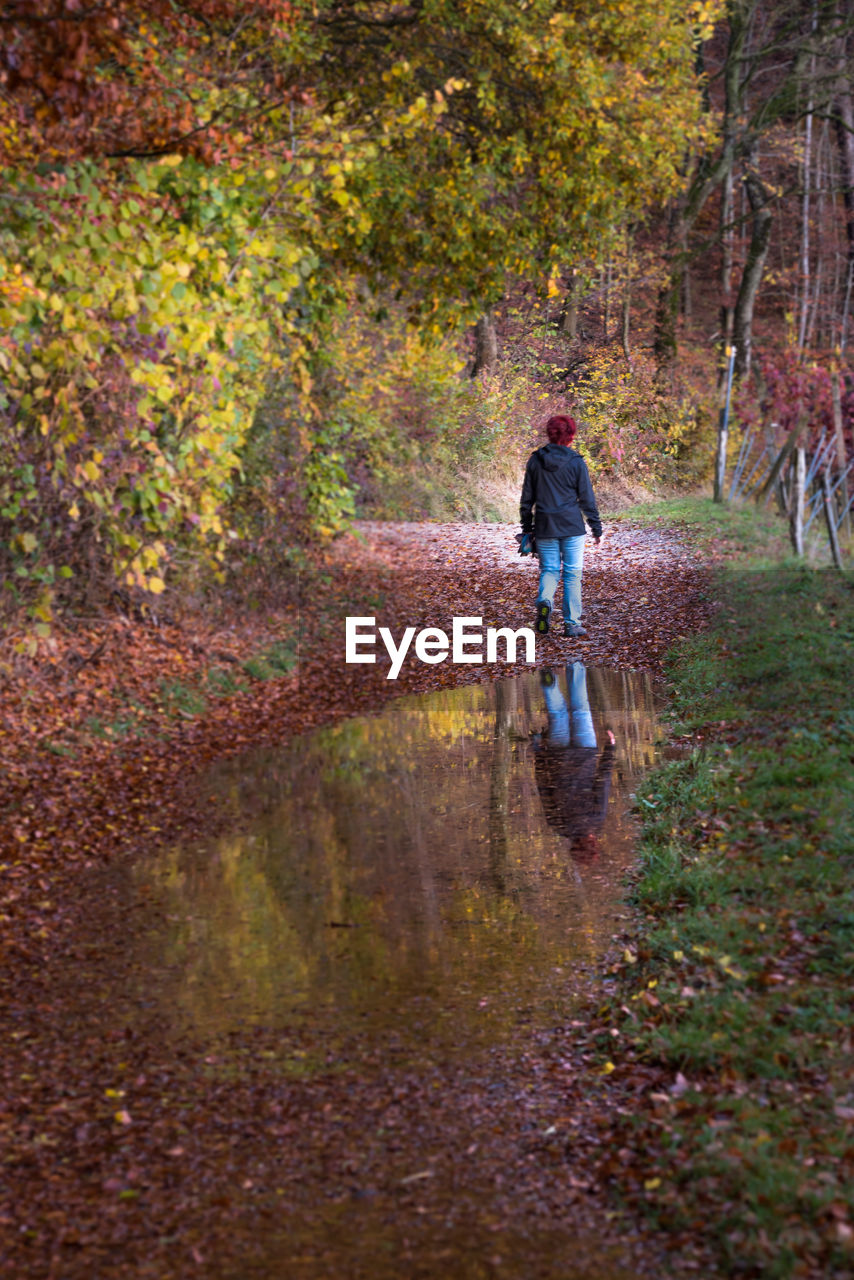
(402, 868)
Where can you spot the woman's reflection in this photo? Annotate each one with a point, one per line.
(574, 778)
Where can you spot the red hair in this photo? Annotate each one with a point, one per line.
(585, 848)
(561, 429)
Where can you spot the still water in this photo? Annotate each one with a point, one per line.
(395, 909)
(430, 868)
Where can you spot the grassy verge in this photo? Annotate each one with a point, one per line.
(744, 530)
(738, 994)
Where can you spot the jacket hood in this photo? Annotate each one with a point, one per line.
(555, 456)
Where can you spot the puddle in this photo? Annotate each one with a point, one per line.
(395, 905)
(440, 870)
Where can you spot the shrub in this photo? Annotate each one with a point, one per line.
(633, 426)
(134, 354)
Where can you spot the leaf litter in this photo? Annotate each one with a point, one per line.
(128, 1154)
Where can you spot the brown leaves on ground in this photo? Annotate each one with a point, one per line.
(131, 1155)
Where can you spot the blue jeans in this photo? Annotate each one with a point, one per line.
(570, 726)
(551, 551)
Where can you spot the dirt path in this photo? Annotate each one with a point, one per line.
(623, 544)
(127, 1153)
(643, 587)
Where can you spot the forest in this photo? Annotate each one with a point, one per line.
(268, 265)
(531, 963)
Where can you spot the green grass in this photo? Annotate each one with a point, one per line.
(190, 698)
(742, 529)
(273, 662)
(222, 683)
(131, 722)
(181, 699)
(747, 900)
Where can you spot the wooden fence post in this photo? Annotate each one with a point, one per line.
(841, 456)
(830, 517)
(773, 479)
(723, 431)
(796, 510)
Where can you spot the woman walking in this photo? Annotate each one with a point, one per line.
(556, 496)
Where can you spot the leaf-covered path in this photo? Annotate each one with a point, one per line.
(640, 586)
(128, 1152)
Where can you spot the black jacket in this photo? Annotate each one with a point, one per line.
(574, 784)
(557, 484)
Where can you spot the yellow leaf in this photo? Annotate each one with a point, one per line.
(156, 586)
(652, 1184)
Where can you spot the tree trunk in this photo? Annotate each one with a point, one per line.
(568, 323)
(845, 142)
(499, 787)
(625, 328)
(727, 238)
(710, 172)
(805, 202)
(667, 307)
(687, 294)
(606, 312)
(742, 328)
(485, 344)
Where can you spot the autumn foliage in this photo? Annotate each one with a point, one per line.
(208, 203)
(133, 76)
(243, 246)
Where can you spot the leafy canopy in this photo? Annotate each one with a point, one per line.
(196, 192)
(541, 127)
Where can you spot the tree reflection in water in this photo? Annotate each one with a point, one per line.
(426, 866)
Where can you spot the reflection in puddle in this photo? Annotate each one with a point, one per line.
(442, 868)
